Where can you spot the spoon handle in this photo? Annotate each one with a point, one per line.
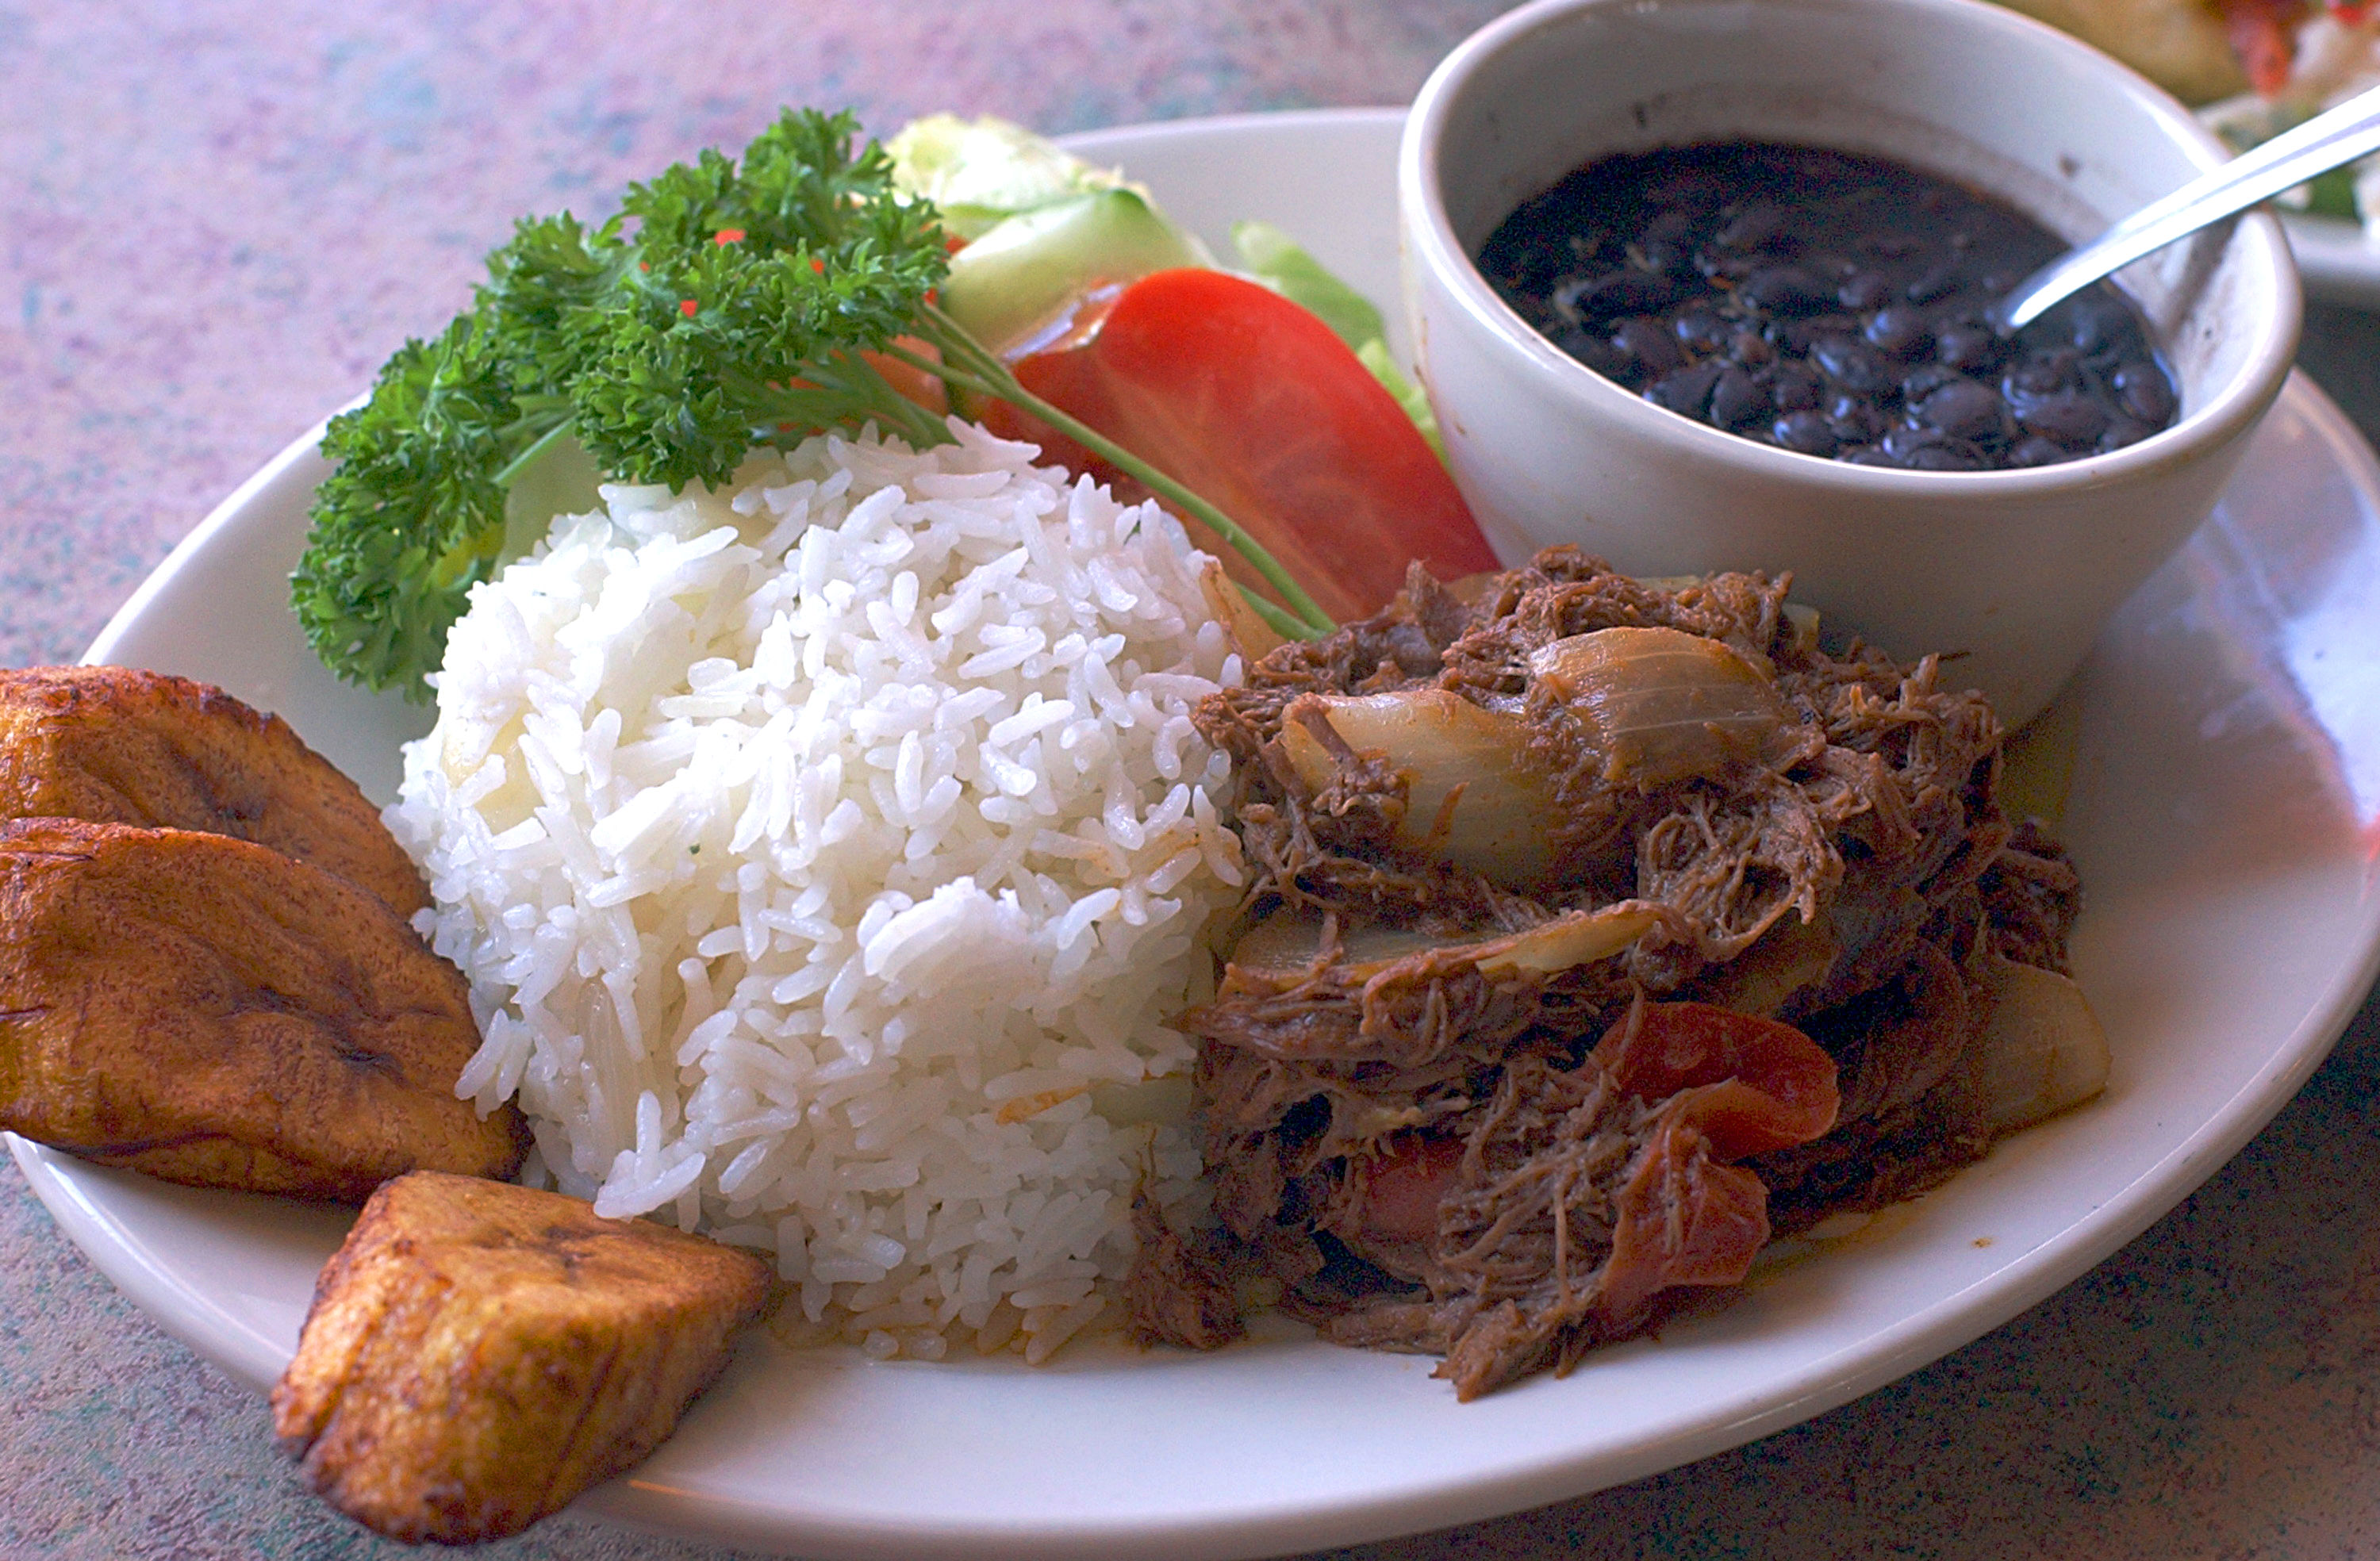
(2329, 138)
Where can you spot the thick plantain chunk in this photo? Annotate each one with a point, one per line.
(478, 1353)
(117, 745)
(216, 1013)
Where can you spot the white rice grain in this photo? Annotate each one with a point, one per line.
(814, 845)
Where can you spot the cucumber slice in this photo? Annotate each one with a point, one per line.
(1019, 275)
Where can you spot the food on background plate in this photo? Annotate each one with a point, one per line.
(2259, 67)
(2185, 46)
(211, 1012)
(118, 746)
(2199, 50)
(1590, 919)
(2335, 56)
(478, 1353)
(1828, 304)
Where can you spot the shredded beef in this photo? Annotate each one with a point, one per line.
(1176, 1294)
(1413, 1133)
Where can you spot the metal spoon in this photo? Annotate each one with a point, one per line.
(2329, 138)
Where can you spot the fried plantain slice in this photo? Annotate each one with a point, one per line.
(478, 1353)
(118, 746)
(213, 1013)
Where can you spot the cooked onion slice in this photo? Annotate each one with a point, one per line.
(1574, 938)
(2041, 1049)
(1660, 704)
(1287, 945)
(1655, 706)
(1473, 797)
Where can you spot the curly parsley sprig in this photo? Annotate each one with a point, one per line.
(727, 305)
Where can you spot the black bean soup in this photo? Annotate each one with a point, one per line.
(1829, 304)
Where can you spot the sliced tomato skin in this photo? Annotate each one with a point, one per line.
(1404, 1183)
(1683, 1218)
(1258, 407)
(1748, 1083)
(1730, 1084)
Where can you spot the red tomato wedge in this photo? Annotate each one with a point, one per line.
(1730, 1084)
(1748, 1083)
(1258, 407)
(1683, 1218)
(1404, 1183)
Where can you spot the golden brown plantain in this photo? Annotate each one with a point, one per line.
(117, 745)
(478, 1353)
(212, 1012)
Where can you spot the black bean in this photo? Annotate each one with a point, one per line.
(1724, 268)
(1670, 228)
(1754, 225)
(1685, 391)
(1751, 349)
(1737, 400)
(2036, 451)
(1946, 456)
(1806, 432)
(1969, 345)
(1869, 455)
(1595, 353)
(1965, 409)
(1701, 325)
(1793, 386)
(1936, 282)
(2144, 391)
(1785, 290)
(1898, 331)
(2069, 417)
(1643, 340)
(1662, 255)
(2039, 373)
(2123, 431)
(1903, 440)
(1923, 382)
(1852, 364)
(2094, 321)
(1615, 293)
(1855, 422)
(1865, 289)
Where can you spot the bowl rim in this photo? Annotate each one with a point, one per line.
(1431, 247)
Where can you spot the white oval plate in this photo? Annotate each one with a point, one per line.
(2226, 783)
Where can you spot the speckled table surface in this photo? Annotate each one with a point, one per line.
(216, 218)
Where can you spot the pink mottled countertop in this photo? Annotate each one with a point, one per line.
(216, 219)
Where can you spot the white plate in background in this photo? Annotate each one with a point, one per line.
(2225, 813)
(2336, 261)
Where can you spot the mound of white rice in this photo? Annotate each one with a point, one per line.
(825, 854)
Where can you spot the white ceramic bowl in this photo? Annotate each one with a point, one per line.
(2017, 569)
